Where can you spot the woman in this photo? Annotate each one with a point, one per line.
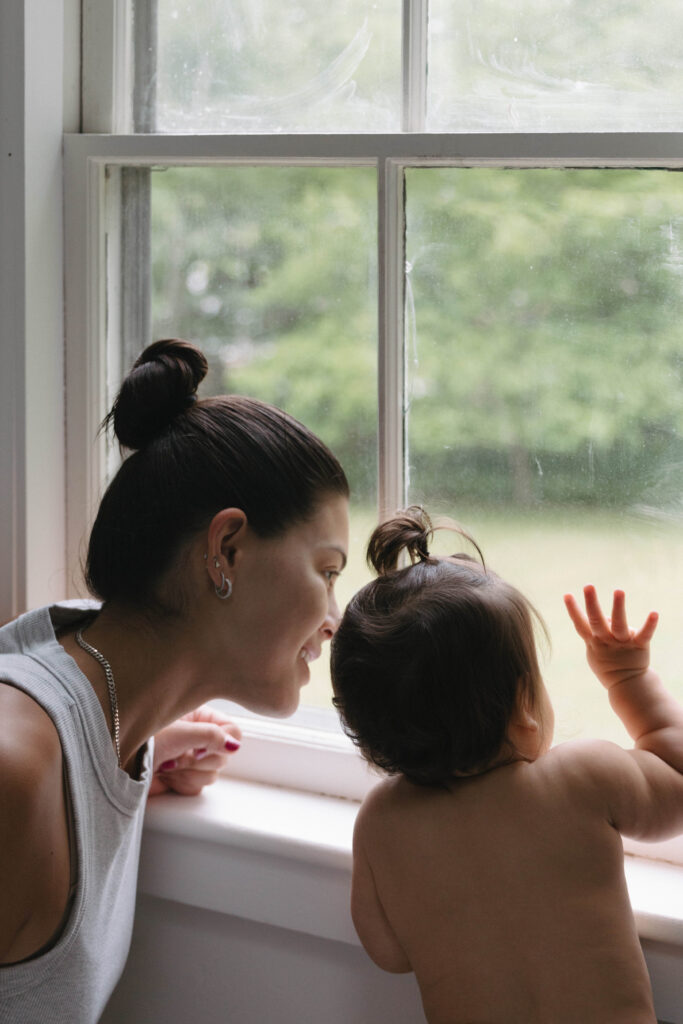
(214, 555)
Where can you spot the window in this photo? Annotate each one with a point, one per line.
(454, 255)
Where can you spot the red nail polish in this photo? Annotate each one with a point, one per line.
(167, 766)
(232, 745)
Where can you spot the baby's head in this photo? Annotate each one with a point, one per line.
(434, 665)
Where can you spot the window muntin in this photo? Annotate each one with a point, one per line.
(552, 65)
(544, 391)
(264, 66)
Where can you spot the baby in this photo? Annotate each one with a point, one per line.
(487, 863)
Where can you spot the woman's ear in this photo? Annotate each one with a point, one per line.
(226, 530)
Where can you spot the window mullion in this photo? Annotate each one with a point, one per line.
(391, 372)
(106, 85)
(414, 65)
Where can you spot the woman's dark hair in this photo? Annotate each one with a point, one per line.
(430, 661)
(190, 459)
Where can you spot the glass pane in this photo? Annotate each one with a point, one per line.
(555, 65)
(272, 271)
(544, 392)
(265, 66)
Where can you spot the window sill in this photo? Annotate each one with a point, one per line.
(281, 857)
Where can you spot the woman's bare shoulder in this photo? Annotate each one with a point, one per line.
(31, 811)
(29, 742)
(30, 765)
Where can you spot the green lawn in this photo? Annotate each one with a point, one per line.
(544, 555)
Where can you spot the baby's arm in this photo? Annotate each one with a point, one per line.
(620, 658)
(369, 919)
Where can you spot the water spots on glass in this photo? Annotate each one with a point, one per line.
(263, 66)
(539, 66)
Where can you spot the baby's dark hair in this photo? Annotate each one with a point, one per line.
(430, 661)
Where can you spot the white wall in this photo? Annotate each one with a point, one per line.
(189, 965)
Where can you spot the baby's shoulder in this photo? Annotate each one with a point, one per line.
(386, 800)
(577, 757)
(583, 767)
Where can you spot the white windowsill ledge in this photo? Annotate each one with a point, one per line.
(281, 857)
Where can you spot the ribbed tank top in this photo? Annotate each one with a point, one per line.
(72, 981)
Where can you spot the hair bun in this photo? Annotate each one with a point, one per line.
(409, 530)
(161, 385)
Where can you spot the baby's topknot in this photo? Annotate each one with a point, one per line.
(411, 530)
(160, 386)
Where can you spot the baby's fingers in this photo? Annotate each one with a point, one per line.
(647, 631)
(578, 618)
(599, 625)
(618, 623)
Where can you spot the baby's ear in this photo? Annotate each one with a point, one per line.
(524, 730)
(524, 718)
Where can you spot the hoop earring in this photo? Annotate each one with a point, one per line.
(225, 589)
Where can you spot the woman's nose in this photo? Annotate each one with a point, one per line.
(332, 619)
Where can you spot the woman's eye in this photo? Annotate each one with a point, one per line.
(331, 575)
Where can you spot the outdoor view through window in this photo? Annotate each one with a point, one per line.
(543, 306)
(543, 361)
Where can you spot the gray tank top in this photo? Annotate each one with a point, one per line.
(71, 981)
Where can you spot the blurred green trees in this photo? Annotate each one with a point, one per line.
(548, 350)
(542, 319)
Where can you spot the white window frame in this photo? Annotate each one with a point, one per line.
(285, 754)
(39, 100)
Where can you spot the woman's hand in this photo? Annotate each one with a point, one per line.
(189, 753)
(615, 652)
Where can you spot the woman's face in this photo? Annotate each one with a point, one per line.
(283, 608)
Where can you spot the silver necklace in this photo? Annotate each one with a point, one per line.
(111, 686)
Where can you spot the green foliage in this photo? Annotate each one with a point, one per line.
(543, 353)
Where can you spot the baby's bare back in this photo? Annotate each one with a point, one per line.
(507, 895)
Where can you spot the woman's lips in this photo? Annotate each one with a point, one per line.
(308, 654)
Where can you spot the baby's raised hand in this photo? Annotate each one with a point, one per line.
(615, 652)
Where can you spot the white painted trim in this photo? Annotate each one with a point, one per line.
(85, 285)
(72, 65)
(12, 323)
(270, 832)
(302, 759)
(608, 149)
(32, 550)
(414, 64)
(289, 856)
(391, 357)
(106, 99)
